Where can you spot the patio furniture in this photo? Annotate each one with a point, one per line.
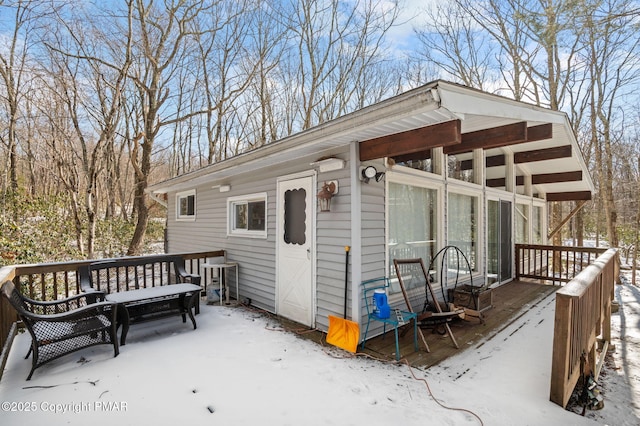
(397, 319)
(473, 299)
(60, 327)
(222, 278)
(157, 302)
(125, 282)
(415, 271)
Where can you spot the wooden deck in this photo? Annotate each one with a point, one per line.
(509, 302)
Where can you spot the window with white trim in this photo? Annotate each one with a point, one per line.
(186, 205)
(412, 230)
(463, 217)
(536, 224)
(522, 223)
(247, 215)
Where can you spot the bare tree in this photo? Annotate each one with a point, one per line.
(15, 72)
(222, 45)
(161, 36)
(612, 48)
(462, 49)
(267, 43)
(91, 93)
(335, 42)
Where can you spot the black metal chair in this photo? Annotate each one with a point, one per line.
(60, 327)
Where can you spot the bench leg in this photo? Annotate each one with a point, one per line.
(193, 300)
(123, 320)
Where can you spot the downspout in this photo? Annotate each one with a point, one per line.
(356, 231)
(157, 199)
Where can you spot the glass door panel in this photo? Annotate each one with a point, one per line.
(499, 241)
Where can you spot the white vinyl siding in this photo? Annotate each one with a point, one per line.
(256, 256)
(333, 233)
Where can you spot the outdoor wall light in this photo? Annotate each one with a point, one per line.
(329, 164)
(371, 172)
(329, 189)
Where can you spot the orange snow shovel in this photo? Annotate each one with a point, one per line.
(343, 333)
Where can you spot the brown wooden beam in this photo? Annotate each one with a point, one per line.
(540, 132)
(569, 196)
(493, 161)
(556, 177)
(412, 141)
(542, 154)
(496, 183)
(499, 182)
(494, 137)
(422, 155)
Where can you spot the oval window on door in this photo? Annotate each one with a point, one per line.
(295, 216)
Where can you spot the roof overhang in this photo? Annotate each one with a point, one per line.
(433, 109)
(554, 164)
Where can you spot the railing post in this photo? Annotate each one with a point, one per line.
(583, 312)
(518, 248)
(560, 357)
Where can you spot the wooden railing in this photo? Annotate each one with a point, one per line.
(53, 281)
(583, 313)
(8, 319)
(555, 264)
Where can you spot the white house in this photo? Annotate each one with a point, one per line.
(439, 165)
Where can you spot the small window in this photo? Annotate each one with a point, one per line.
(186, 205)
(247, 215)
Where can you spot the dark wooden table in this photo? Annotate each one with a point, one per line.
(157, 302)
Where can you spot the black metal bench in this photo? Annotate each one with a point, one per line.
(149, 288)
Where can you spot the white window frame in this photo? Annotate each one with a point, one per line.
(543, 222)
(185, 217)
(528, 232)
(232, 202)
(470, 190)
(412, 177)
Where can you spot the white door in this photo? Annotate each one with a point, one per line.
(294, 287)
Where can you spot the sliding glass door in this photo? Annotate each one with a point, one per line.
(499, 241)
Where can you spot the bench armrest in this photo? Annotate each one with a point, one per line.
(82, 312)
(182, 276)
(189, 278)
(64, 305)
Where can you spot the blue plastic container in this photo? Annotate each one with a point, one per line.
(381, 306)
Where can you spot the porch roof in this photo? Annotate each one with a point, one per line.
(555, 164)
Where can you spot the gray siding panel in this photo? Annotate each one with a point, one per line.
(333, 233)
(373, 242)
(256, 256)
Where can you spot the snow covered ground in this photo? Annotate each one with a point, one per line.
(240, 368)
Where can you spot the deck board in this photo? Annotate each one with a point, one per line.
(509, 301)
